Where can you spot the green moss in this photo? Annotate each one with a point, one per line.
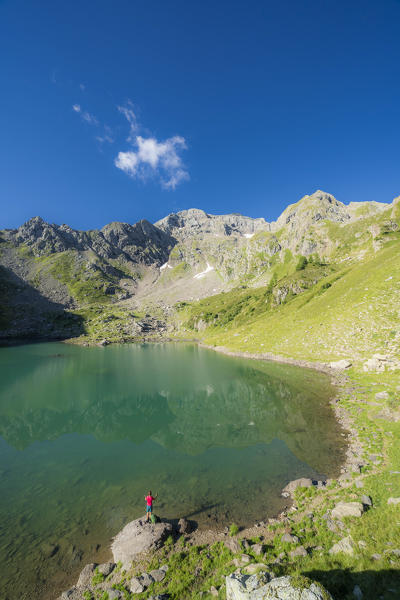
(233, 529)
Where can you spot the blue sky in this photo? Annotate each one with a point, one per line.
(126, 110)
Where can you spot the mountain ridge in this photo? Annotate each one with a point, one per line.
(146, 268)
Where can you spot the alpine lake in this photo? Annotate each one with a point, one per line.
(86, 432)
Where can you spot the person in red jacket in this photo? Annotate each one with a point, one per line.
(149, 505)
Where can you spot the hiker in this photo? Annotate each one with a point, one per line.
(149, 505)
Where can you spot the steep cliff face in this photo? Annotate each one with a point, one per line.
(141, 243)
(193, 222)
(187, 255)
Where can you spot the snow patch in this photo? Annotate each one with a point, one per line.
(200, 275)
(248, 235)
(165, 266)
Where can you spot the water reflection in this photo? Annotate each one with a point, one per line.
(187, 399)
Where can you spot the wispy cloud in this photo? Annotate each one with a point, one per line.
(150, 157)
(107, 136)
(85, 116)
(129, 114)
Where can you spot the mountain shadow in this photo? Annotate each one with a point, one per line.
(26, 314)
(384, 583)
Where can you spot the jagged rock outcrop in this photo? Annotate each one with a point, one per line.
(265, 586)
(193, 222)
(141, 242)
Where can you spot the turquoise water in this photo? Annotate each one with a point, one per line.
(85, 432)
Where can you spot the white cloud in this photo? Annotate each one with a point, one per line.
(82, 87)
(150, 158)
(127, 162)
(85, 116)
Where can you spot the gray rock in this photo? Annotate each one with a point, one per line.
(157, 574)
(357, 593)
(213, 591)
(376, 556)
(299, 551)
(74, 593)
(347, 509)
(382, 396)
(254, 568)
(366, 500)
(359, 483)
(341, 364)
(233, 545)
(393, 501)
(374, 364)
(245, 559)
(113, 594)
(293, 485)
(106, 568)
(146, 579)
(345, 545)
(136, 586)
(258, 549)
(289, 538)
(85, 578)
(184, 526)
(255, 587)
(136, 537)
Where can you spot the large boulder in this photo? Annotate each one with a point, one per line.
(340, 364)
(347, 509)
(136, 537)
(265, 587)
(345, 545)
(293, 485)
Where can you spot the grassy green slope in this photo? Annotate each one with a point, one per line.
(350, 313)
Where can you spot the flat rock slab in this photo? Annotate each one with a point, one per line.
(347, 509)
(136, 537)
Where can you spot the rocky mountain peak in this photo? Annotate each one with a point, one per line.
(309, 210)
(195, 222)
